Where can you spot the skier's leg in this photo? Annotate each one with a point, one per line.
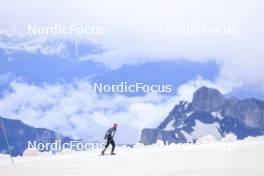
(107, 144)
(113, 146)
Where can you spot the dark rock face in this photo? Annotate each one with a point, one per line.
(208, 113)
(249, 111)
(208, 100)
(149, 135)
(19, 134)
(178, 114)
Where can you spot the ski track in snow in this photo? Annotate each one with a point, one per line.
(247, 160)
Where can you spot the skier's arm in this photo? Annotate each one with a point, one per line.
(114, 131)
(107, 134)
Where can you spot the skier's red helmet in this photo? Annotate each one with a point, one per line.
(115, 125)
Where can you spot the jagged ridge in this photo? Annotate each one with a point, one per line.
(208, 113)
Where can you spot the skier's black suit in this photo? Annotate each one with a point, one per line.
(110, 139)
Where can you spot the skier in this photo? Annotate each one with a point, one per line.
(109, 136)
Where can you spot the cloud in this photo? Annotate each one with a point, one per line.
(133, 31)
(71, 109)
(74, 110)
(8, 77)
(186, 90)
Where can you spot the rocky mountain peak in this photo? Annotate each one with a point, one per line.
(207, 100)
(209, 113)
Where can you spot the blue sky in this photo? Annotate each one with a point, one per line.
(37, 68)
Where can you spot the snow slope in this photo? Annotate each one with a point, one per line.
(246, 159)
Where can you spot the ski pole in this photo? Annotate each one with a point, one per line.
(7, 143)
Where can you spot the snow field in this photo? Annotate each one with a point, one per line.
(156, 160)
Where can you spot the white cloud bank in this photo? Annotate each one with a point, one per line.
(71, 109)
(133, 30)
(74, 110)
